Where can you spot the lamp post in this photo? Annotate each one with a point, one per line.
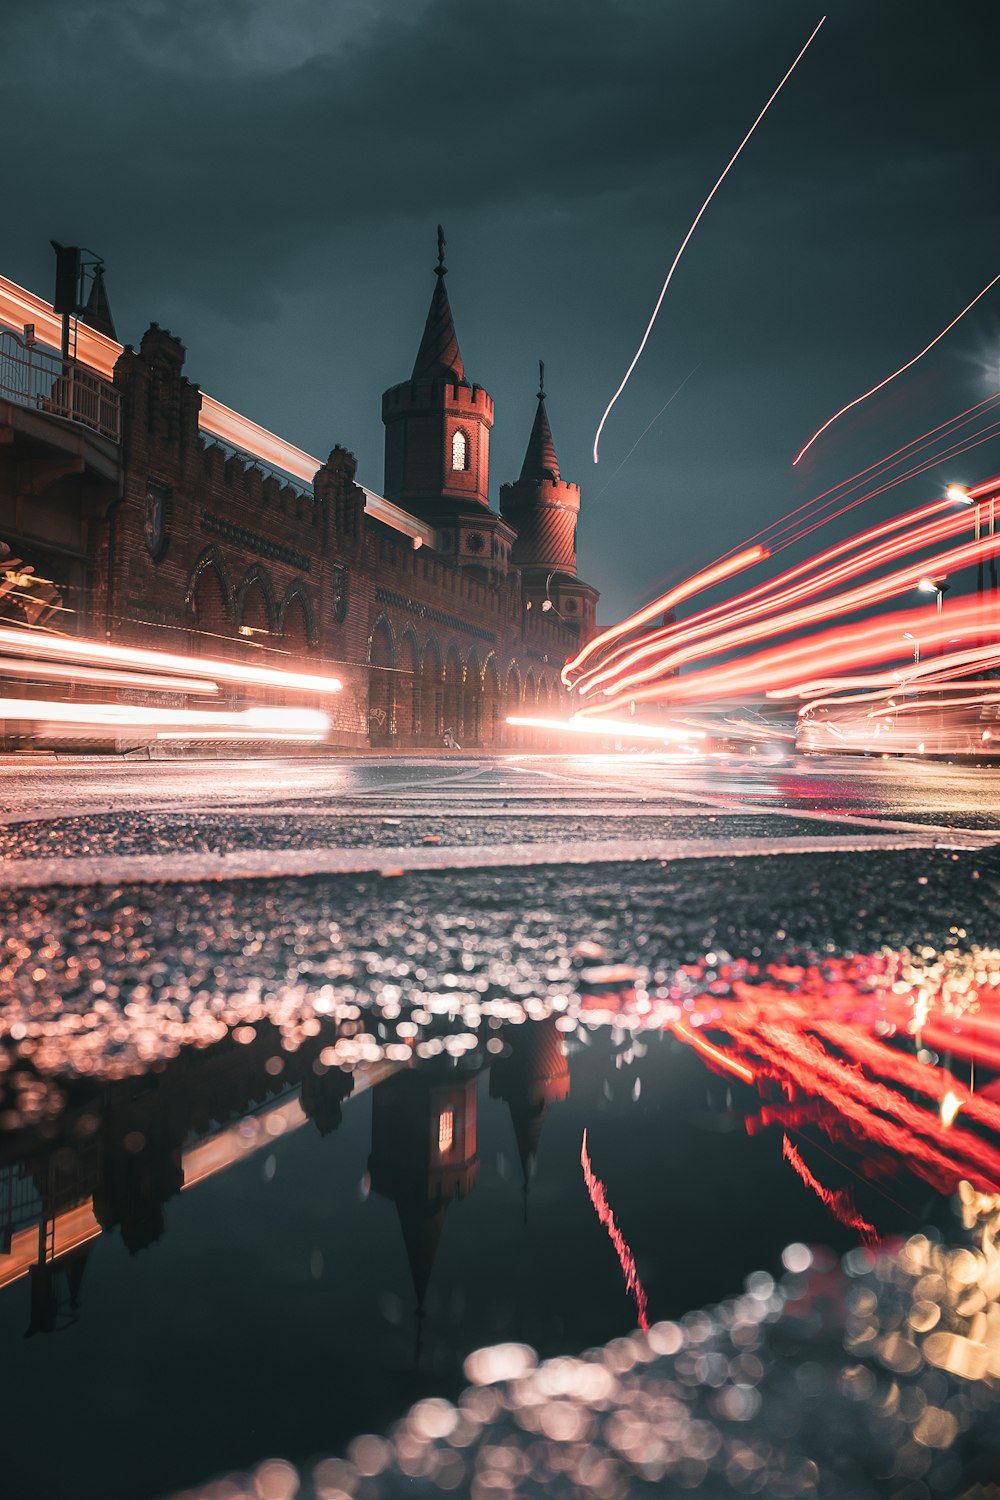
(938, 586)
(960, 495)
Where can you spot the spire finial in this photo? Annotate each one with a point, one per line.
(441, 269)
(541, 380)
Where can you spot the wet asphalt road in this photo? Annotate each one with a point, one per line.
(146, 908)
(472, 876)
(86, 820)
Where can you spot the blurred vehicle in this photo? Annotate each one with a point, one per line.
(953, 722)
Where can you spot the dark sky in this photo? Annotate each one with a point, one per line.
(265, 178)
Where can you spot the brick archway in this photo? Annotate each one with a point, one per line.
(297, 619)
(432, 724)
(494, 730)
(381, 684)
(453, 682)
(472, 702)
(208, 602)
(408, 725)
(513, 733)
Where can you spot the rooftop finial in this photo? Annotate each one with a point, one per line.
(541, 380)
(441, 269)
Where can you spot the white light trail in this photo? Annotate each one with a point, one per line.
(251, 723)
(694, 226)
(604, 727)
(52, 671)
(97, 654)
(902, 370)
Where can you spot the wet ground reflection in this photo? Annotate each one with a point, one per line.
(266, 1215)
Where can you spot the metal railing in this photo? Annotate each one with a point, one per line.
(35, 377)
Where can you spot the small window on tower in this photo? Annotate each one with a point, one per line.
(460, 451)
(446, 1131)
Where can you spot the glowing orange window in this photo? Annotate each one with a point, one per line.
(446, 1131)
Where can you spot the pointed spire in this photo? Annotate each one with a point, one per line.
(439, 357)
(97, 312)
(540, 460)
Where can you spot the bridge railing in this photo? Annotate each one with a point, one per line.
(32, 376)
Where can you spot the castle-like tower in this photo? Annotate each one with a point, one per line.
(543, 508)
(423, 1156)
(437, 444)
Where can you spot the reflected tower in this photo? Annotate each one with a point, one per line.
(423, 1156)
(530, 1076)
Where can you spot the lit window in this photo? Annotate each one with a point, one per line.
(459, 451)
(446, 1131)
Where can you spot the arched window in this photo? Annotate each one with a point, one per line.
(460, 451)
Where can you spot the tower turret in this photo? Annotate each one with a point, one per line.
(437, 424)
(544, 509)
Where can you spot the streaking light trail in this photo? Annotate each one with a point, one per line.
(694, 226)
(599, 1198)
(61, 648)
(703, 580)
(663, 732)
(248, 723)
(902, 369)
(837, 1200)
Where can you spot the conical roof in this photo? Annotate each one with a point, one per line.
(540, 460)
(439, 357)
(97, 313)
(421, 1224)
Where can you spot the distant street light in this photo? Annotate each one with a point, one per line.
(916, 646)
(960, 495)
(938, 586)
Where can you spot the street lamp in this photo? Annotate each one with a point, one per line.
(938, 586)
(960, 495)
(916, 647)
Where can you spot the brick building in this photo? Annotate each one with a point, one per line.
(135, 509)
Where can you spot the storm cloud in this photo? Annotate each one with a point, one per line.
(265, 180)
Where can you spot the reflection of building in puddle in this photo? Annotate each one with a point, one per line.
(118, 1153)
(423, 1153)
(117, 1156)
(530, 1074)
(423, 1156)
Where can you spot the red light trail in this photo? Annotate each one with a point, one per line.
(599, 1198)
(837, 1200)
(843, 648)
(694, 585)
(770, 598)
(694, 226)
(902, 369)
(845, 486)
(844, 1041)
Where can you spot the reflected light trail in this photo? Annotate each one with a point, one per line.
(710, 1052)
(697, 219)
(837, 1200)
(902, 369)
(599, 1198)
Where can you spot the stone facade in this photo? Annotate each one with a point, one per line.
(183, 544)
